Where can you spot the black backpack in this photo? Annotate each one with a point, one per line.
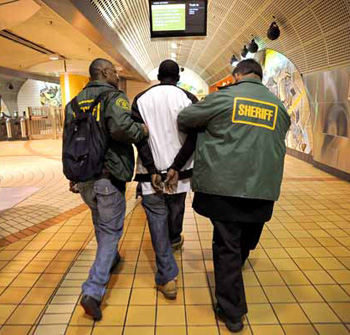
(84, 143)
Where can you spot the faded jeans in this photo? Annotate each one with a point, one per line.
(157, 213)
(107, 206)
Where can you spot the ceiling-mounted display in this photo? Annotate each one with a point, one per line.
(178, 18)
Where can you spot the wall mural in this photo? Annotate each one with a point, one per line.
(50, 95)
(285, 81)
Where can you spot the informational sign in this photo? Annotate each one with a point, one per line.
(178, 18)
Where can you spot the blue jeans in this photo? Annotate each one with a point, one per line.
(107, 206)
(157, 213)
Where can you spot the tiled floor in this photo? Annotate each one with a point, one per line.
(297, 281)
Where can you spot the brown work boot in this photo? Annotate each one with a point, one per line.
(169, 289)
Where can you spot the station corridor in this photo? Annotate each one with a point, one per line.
(297, 281)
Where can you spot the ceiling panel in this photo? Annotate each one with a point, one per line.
(312, 33)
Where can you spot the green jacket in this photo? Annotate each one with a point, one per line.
(119, 128)
(241, 144)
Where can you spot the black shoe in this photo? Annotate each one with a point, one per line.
(91, 307)
(178, 245)
(233, 326)
(115, 262)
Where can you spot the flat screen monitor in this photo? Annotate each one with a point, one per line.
(178, 18)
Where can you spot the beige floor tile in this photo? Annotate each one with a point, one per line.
(141, 316)
(333, 293)
(254, 295)
(294, 278)
(143, 280)
(120, 281)
(261, 264)
(278, 294)
(200, 315)
(76, 330)
(319, 312)
(290, 313)
(190, 266)
(15, 330)
(197, 296)
(171, 330)
(306, 293)
(13, 295)
(171, 316)
(106, 330)
(342, 309)
(25, 315)
(245, 331)
(261, 314)
(267, 330)
(299, 330)
(332, 329)
(116, 296)
(250, 279)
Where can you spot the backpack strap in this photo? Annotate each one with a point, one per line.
(75, 106)
(99, 98)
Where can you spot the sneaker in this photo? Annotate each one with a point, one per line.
(233, 326)
(178, 245)
(91, 307)
(169, 289)
(115, 262)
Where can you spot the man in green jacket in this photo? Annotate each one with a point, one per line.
(105, 194)
(237, 175)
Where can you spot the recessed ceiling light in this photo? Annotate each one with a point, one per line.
(174, 45)
(54, 57)
(173, 55)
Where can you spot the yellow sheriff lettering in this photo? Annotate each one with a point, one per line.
(255, 112)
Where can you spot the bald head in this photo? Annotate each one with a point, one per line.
(103, 70)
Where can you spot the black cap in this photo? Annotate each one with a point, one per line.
(169, 69)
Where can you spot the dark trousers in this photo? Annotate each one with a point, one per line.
(176, 207)
(231, 243)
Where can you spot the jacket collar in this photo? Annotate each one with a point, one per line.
(250, 80)
(99, 83)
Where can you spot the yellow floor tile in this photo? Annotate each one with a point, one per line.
(332, 329)
(195, 280)
(306, 293)
(290, 313)
(261, 314)
(25, 315)
(284, 264)
(171, 316)
(48, 280)
(208, 330)
(5, 312)
(143, 296)
(342, 309)
(13, 295)
(15, 330)
(254, 295)
(250, 279)
(319, 312)
(38, 296)
(245, 331)
(138, 331)
(340, 276)
(171, 330)
(261, 264)
(299, 330)
(120, 281)
(269, 278)
(141, 316)
(333, 293)
(319, 277)
(330, 263)
(307, 264)
(76, 330)
(143, 280)
(278, 294)
(200, 315)
(116, 297)
(100, 330)
(197, 296)
(267, 330)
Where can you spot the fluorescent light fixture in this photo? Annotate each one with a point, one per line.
(174, 45)
(54, 57)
